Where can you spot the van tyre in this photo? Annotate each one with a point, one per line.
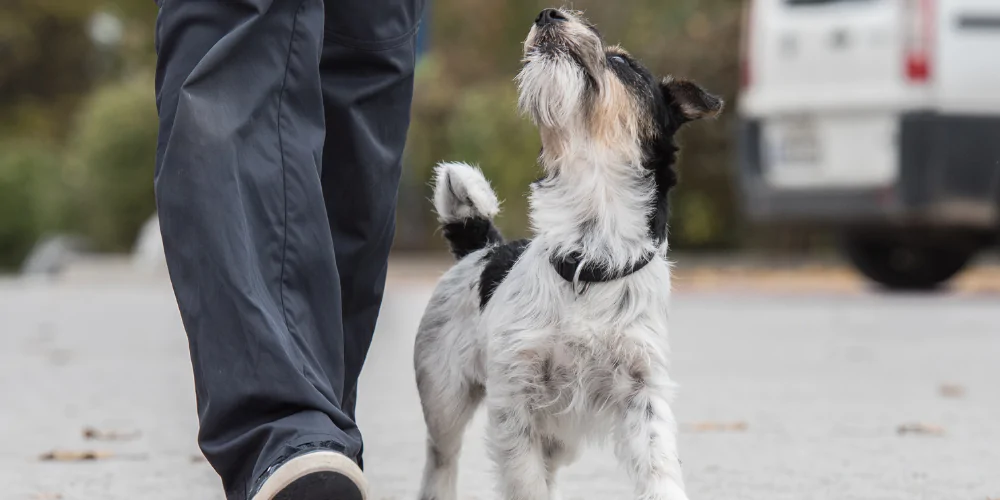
(904, 264)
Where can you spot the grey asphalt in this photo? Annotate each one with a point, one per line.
(815, 384)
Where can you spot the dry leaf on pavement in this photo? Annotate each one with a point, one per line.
(953, 391)
(75, 456)
(88, 456)
(715, 427)
(105, 435)
(920, 428)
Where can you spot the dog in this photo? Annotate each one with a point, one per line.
(563, 336)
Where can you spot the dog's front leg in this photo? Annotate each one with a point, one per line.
(647, 446)
(518, 453)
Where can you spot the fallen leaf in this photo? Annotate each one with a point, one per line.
(100, 435)
(952, 391)
(74, 456)
(88, 456)
(920, 428)
(716, 427)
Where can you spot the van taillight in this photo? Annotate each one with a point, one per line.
(919, 33)
(745, 72)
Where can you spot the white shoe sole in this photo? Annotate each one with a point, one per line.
(318, 475)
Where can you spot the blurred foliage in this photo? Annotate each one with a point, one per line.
(477, 124)
(464, 107)
(44, 63)
(77, 126)
(48, 61)
(111, 153)
(30, 197)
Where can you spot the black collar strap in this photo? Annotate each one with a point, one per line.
(570, 269)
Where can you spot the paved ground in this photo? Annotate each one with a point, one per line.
(785, 395)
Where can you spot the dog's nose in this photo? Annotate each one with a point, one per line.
(550, 16)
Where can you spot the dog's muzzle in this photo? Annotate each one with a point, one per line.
(550, 16)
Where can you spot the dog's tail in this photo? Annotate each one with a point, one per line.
(465, 204)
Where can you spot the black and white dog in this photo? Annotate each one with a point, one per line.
(565, 335)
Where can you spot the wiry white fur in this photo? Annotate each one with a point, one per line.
(462, 192)
(597, 205)
(550, 89)
(555, 364)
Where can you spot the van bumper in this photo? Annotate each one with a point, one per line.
(949, 175)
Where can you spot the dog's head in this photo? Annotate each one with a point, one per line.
(583, 94)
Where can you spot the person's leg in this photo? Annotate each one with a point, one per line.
(245, 230)
(367, 70)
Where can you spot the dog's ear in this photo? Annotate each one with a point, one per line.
(690, 99)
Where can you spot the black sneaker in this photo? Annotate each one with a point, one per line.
(316, 475)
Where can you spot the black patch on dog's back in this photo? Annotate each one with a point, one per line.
(499, 260)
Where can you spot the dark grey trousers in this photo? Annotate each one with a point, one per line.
(282, 125)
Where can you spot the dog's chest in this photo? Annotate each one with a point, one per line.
(588, 371)
(571, 339)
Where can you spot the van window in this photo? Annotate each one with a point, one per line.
(824, 2)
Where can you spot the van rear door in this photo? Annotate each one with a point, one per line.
(968, 77)
(827, 78)
(825, 54)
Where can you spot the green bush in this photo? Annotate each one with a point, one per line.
(111, 155)
(477, 125)
(486, 130)
(45, 57)
(30, 197)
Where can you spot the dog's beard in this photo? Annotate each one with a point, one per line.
(552, 88)
(556, 78)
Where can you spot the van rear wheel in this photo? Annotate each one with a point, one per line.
(899, 263)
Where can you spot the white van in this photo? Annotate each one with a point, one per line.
(880, 118)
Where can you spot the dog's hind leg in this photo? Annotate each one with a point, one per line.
(647, 445)
(448, 406)
(518, 453)
(557, 454)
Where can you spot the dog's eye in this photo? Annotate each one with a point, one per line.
(618, 59)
